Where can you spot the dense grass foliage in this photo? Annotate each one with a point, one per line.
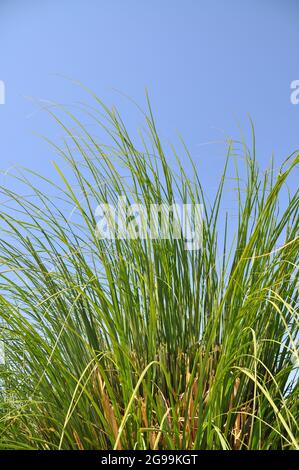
(141, 344)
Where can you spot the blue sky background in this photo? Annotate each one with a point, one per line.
(206, 64)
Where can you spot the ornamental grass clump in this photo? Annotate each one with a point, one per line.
(142, 343)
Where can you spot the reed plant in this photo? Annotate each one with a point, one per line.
(142, 344)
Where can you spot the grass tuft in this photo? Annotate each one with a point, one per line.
(141, 344)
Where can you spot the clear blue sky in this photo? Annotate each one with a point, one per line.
(206, 65)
